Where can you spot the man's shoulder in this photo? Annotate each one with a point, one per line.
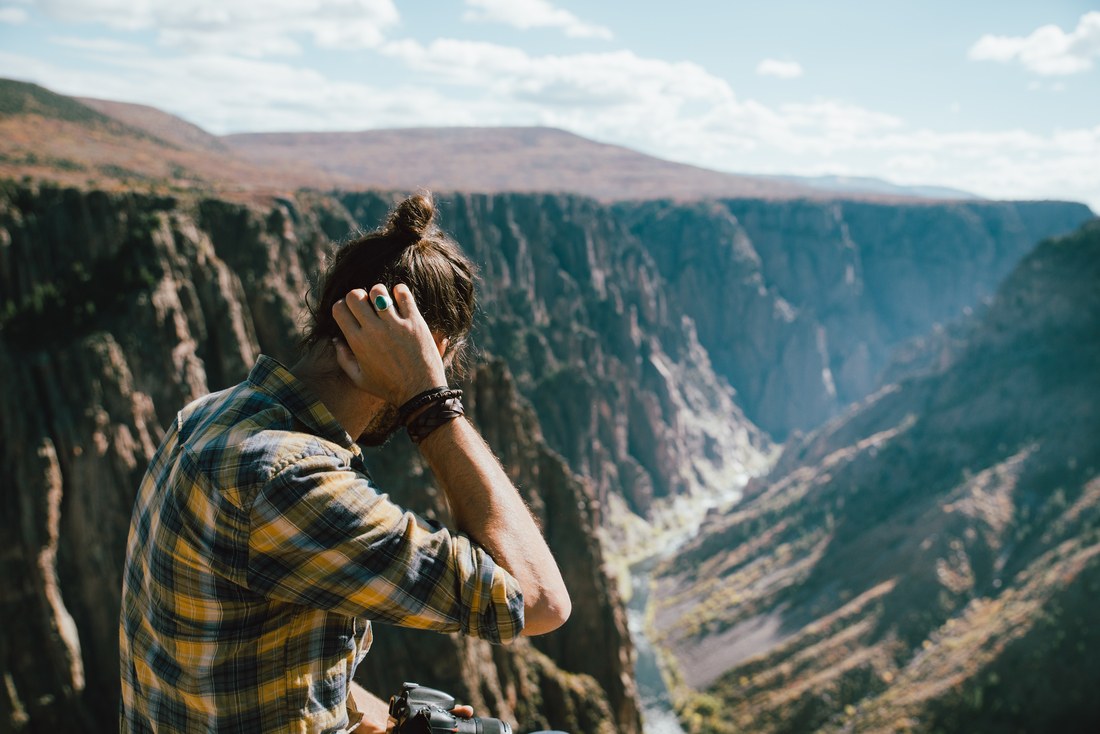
(238, 439)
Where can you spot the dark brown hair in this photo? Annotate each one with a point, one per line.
(409, 248)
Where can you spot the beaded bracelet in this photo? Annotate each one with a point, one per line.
(433, 395)
(437, 414)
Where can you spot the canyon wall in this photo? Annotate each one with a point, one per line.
(605, 379)
(800, 304)
(929, 561)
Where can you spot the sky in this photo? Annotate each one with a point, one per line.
(1001, 98)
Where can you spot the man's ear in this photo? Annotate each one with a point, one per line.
(347, 361)
(441, 343)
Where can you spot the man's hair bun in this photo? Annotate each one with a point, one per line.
(413, 216)
(409, 248)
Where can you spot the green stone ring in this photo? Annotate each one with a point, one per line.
(381, 303)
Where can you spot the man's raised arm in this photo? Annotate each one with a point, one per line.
(395, 358)
(488, 508)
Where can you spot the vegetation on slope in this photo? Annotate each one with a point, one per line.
(903, 563)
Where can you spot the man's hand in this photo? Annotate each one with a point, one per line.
(376, 712)
(390, 353)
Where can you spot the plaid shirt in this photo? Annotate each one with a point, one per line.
(258, 553)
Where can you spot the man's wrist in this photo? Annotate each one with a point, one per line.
(423, 400)
(443, 407)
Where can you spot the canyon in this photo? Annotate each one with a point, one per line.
(929, 561)
(633, 357)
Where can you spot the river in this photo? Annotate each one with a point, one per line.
(657, 714)
(673, 524)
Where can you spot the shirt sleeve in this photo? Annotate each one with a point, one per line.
(322, 536)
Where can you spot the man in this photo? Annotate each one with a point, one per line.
(259, 549)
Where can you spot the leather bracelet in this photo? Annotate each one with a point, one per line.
(433, 395)
(438, 414)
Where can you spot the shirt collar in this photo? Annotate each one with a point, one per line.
(272, 378)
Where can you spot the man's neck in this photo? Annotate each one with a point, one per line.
(352, 408)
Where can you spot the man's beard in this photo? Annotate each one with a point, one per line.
(381, 427)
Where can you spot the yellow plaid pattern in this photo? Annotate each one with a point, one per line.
(259, 553)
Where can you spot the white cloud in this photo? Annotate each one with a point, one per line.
(781, 69)
(1011, 164)
(842, 120)
(239, 27)
(609, 80)
(13, 16)
(207, 90)
(526, 14)
(681, 111)
(908, 165)
(1047, 50)
(98, 45)
(676, 110)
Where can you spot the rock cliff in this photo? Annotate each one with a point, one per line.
(903, 566)
(609, 338)
(800, 304)
(109, 303)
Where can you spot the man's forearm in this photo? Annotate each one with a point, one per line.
(487, 507)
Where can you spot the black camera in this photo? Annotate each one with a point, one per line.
(421, 710)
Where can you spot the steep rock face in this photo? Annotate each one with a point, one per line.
(801, 303)
(67, 468)
(117, 310)
(898, 562)
(108, 300)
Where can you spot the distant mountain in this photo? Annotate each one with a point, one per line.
(168, 128)
(113, 145)
(25, 99)
(102, 143)
(931, 560)
(493, 160)
(868, 185)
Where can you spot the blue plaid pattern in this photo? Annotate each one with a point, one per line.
(259, 553)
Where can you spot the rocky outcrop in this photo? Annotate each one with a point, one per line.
(899, 564)
(108, 301)
(800, 304)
